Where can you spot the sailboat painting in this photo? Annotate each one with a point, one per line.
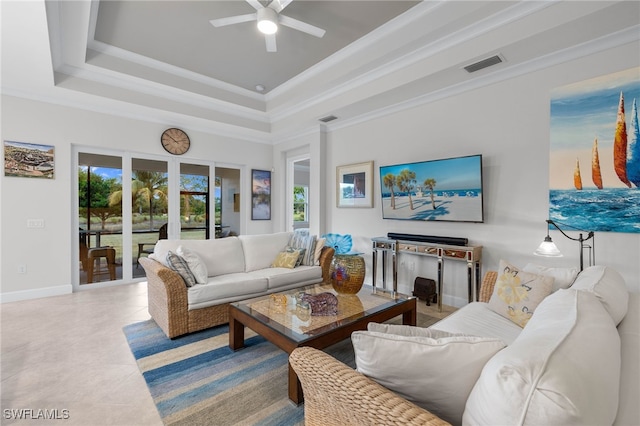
(594, 169)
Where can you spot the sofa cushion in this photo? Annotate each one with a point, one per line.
(181, 266)
(629, 331)
(608, 286)
(196, 265)
(306, 242)
(517, 293)
(220, 256)
(409, 330)
(223, 288)
(562, 277)
(476, 319)
(563, 369)
(284, 277)
(260, 250)
(436, 374)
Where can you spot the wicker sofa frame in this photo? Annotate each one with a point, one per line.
(168, 304)
(335, 394)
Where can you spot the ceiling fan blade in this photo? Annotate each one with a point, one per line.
(233, 20)
(301, 26)
(278, 5)
(271, 42)
(256, 4)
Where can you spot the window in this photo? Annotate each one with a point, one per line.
(300, 203)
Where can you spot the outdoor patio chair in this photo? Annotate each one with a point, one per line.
(162, 235)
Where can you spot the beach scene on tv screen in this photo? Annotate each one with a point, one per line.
(448, 190)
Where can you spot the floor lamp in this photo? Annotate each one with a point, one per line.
(548, 248)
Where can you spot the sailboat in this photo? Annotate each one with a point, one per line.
(596, 176)
(620, 145)
(577, 180)
(633, 148)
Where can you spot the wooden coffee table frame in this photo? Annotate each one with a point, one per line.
(239, 319)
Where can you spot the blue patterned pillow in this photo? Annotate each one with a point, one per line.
(306, 242)
(181, 266)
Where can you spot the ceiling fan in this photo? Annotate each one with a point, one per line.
(268, 18)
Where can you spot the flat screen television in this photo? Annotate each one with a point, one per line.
(438, 190)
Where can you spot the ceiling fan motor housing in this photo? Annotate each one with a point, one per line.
(267, 20)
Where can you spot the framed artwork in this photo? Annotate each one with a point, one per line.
(260, 195)
(354, 185)
(594, 160)
(28, 160)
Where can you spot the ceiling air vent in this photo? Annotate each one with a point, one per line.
(328, 118)
(485, 63)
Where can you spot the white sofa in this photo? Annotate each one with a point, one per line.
(236, 268)
(577, 361)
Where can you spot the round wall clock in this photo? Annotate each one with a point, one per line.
(175, 141)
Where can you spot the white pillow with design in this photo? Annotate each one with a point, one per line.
(196, 265)
(517, 293)
(409, 330)
(435, 374)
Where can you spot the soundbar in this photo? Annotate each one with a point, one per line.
(452, 241)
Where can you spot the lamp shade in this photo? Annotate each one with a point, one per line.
(548, 249)
(267, 21)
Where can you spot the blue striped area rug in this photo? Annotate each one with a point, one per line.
(197, 380)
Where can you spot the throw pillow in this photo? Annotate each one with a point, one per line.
(181, 266)
(562, 277)
(286, 259)
(608, 286)
(306, 242)
(316, 255)
(300, 256)
(435, 374)
(409, 330)
(517, 293)
(196, 265)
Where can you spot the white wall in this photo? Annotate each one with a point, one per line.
(47, 252)
(508, 123)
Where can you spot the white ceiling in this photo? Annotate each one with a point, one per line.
(162, 61)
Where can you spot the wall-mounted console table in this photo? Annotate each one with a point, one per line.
(441, 252)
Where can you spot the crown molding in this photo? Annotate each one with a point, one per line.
(481, 27)
(620, 38)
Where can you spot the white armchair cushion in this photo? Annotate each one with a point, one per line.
(563, 369)
(562, 277)
(436, 374)
(608, 286)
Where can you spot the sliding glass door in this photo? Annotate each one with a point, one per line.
(119, 223)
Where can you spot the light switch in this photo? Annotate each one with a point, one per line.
(35, 223)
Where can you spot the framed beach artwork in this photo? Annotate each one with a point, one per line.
(29, 160)
(260, 195)
(594, 167)
(436, 190)
(354, 185)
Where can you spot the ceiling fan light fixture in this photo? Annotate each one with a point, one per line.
(267, 21)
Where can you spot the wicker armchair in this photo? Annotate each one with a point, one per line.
(335, 394)
(168, 305)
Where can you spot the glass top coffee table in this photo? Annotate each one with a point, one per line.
(287, 325)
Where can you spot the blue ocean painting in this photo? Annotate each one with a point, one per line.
(595, 154)
(605, 210)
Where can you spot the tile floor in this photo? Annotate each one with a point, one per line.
(69, 353)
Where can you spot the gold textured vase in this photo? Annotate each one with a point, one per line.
(347, 273)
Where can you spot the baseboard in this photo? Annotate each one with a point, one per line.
(16, 296)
